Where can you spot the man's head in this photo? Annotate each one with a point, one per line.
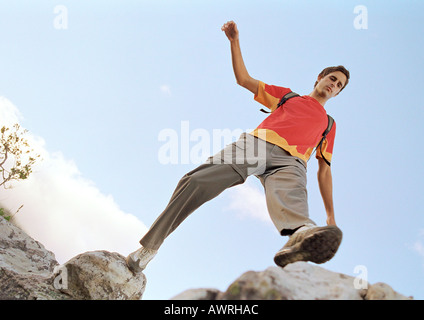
(333, 79)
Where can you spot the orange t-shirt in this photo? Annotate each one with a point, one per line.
(296, 126)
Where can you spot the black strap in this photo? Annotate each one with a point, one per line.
(329, 125)
(324, 135)
(287, 97)
(283, 100)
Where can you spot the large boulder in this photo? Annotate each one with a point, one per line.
(297, 281)
(99, 275)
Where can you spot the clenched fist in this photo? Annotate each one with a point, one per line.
(230, 29)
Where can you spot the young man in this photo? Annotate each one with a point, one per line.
(276, 152)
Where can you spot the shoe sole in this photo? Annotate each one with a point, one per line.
(318, 247)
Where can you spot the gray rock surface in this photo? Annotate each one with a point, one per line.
(26, 266)
(28, 271)
(297, 281)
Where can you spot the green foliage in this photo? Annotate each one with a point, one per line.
(16, 156)
(3, 214)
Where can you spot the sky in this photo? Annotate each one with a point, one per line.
(122, 98)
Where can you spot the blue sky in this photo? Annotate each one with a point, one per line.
(97, 95)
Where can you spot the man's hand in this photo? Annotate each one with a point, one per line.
(230, 29)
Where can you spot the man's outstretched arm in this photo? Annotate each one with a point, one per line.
(242, 76)
(325, 182)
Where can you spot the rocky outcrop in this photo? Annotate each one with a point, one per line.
(297, 281)
(22, 254)
(25, 266)
(28, 271)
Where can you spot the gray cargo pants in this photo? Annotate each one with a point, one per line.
(282, 175)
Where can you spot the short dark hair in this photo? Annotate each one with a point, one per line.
(329, 70)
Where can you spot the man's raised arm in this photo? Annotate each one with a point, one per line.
(242, 76)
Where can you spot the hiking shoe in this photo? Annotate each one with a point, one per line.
(138, 260)
(315, 244)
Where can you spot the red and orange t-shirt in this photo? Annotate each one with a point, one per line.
(297, 125)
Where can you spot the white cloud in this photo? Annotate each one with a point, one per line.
(9, 114)
(166, 89)
(63, 210)
(249, 202)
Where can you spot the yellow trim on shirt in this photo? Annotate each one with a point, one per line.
(272, 137)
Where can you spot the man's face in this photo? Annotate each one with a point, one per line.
(331, 84)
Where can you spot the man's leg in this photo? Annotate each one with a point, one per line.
(287, 199)
(194, 189)
(286, 195)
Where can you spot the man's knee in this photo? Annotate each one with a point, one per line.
(193, 180)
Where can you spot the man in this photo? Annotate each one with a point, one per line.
(276, 152)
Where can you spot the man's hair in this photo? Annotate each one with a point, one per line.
(329, 70)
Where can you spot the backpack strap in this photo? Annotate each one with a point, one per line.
(283, 100)
(329, 126)
(324, 136)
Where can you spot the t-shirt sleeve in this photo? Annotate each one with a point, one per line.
(328, 145)
(269, 95)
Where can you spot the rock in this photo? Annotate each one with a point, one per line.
(22, 254)
(99, 275)
(382, 291)
(198, 294)
(297, 281)
(25, 266)
(28, 271)
(15, 286)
